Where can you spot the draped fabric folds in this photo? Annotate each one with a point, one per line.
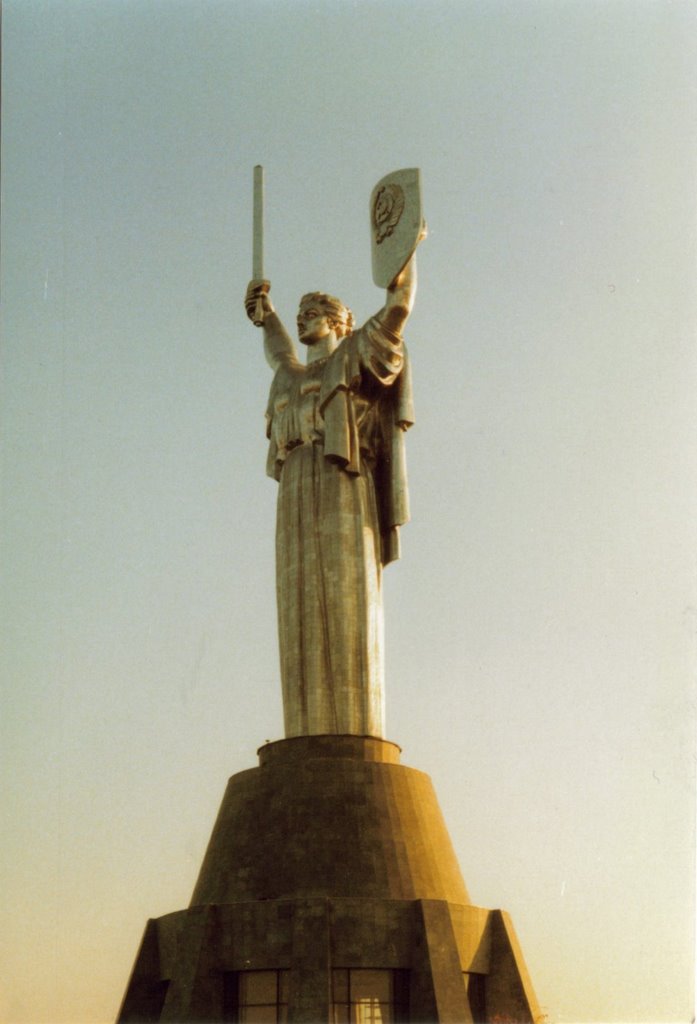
(336, 432)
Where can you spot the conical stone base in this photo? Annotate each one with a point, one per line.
(329, 858)
(329, 816)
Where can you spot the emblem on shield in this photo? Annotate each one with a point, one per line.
(396, 223)
(387, 209)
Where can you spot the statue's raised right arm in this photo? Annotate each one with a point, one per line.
(278, 344)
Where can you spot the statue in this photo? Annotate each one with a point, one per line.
(336, 447)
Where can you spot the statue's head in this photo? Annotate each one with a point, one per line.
(319, 314)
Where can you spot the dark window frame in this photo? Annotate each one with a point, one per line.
(399, 991)
(232, 1000)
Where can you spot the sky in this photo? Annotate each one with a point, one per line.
(541, 623)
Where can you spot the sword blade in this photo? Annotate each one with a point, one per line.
(258, 235)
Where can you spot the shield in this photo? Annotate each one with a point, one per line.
(396, 222)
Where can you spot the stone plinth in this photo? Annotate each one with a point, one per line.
(329, 816)
(330, 854)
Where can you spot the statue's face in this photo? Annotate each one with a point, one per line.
(313, 323)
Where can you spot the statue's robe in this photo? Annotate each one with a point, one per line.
(336, 432)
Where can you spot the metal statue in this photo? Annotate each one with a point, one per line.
(336, 447)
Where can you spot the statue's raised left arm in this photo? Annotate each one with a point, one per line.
(399, 298)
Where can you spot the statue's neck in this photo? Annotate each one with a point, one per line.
(322, 349)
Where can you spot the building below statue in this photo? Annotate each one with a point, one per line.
(330, 892)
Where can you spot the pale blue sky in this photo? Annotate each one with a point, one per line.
(541, 624)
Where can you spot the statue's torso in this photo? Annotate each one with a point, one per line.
(296, 414)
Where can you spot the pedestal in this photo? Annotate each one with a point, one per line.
(330, 892)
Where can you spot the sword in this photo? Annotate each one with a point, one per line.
(258, 239)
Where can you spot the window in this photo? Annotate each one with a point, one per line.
(361, 996)
(256, 997)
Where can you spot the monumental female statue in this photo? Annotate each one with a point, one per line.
(336, 447)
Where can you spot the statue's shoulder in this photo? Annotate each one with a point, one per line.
(288, 371)
(286, 380)
(342, 369)
(343, 351)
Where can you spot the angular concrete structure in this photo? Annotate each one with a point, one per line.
(330, 892)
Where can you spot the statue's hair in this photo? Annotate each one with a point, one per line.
(339, 315)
